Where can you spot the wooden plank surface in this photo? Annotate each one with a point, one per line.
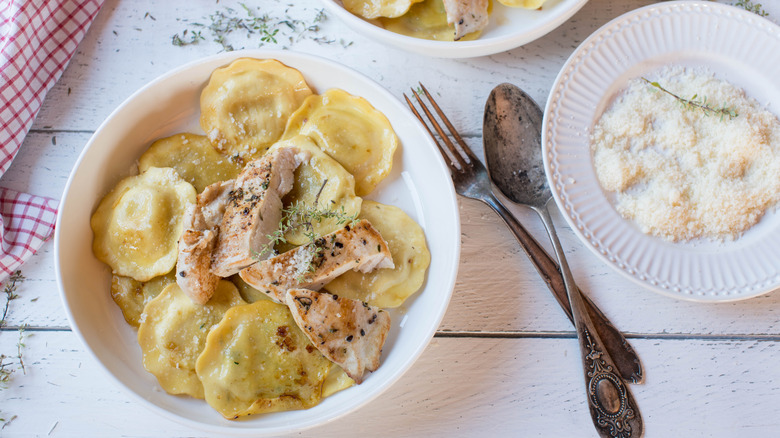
(504, 362)
(459, 387)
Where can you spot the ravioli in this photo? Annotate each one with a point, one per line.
(240, 351)
(245, 106)
(193, 157)
(131, 295)
(137, 225)
(257, 360)
(321, 184)
(248, 293)
(351, 131)
(378, 8)
(336, 381)
(387, 288)
(427, 20)
(173, 333)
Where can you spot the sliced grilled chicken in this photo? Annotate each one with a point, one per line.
(348, 332)
(357, 246)
(467, 15)
(213, 201)
(254, 209)
(193, 266)
(198, 240)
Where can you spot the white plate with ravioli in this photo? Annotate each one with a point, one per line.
(734, 46)
(508, 28)
(418, 184)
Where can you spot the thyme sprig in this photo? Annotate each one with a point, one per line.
(6, 371)
(749, 6)
(10, 293)
(221, 25)
(299, 216)
(185, 40)
(19, 346)
(695, 102)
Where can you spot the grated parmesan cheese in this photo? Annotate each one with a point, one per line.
(683, 173)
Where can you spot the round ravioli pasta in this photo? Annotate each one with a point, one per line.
(131, 295)
(321, 184)
(427, 20)
(388, 287)
(137, 225)
(378, 8)
(257, 360)
(336, 381)
(173, 333)
(245, 105)
(351, 131)
(248, 293)
(193, 157)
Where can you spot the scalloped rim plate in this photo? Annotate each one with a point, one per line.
(735, 45)
(507, 29)
(419, 184)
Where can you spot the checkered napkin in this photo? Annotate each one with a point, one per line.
(37, 39)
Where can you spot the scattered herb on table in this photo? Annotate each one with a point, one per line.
(19, 346)
(749, 6)
(695, 102)
(10, 293)
(5, 361)
(6, 422)
(221, 25)
(185, 40)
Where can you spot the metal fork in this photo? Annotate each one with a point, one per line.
(471, 180)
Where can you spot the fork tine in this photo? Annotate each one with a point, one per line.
(419, 117)
(454, 152)
(449, 125)
(456, 160)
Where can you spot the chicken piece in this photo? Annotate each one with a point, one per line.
(467, 15)
(357, 246)
(197, 242)
(348, 332)
(213, 201)
(254, 209)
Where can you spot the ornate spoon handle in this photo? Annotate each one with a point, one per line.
(612, 406)
(626, 359)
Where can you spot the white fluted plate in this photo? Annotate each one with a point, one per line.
(737, 46)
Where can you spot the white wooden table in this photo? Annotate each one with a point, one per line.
(505, 359)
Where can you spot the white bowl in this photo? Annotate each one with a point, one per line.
(419, 184)
(508, 28)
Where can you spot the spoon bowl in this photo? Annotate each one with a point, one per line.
(512, 135)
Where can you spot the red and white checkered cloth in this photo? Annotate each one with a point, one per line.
(37, 39)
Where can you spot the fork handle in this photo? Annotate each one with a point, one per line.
(625, 358)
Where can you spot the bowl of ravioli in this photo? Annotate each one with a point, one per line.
(454, 29)
(232, 346)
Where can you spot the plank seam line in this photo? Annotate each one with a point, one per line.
(644, 336)
(64, 131)
(517, 335)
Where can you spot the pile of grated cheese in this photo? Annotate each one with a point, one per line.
(683, 173)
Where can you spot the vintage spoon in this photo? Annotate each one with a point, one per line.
(512, 141)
